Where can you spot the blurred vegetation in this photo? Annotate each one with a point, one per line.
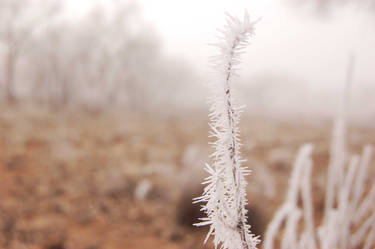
(106, 56)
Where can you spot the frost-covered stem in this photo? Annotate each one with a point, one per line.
(370, 238)
(344, 211)
(232, 148)
(275, 224)
(289, 209)
(360, 234)
(338, 145)
(225, 193)
(360, 180)
(290, 236)
(366, 206)
(308, 209)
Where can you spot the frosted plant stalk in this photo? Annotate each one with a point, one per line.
(289, 211)
(349, 214)
(224, 197)
(338, 145)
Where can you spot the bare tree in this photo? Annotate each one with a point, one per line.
(18, 21)
(108, 56)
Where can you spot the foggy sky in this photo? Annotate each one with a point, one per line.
(297, 55)
(289, 40)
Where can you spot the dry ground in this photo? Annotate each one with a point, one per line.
(68, 180)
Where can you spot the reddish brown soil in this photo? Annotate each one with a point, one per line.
(67, 180)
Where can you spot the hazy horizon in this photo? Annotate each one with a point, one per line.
(296, 62)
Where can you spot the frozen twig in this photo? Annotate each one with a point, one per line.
(289, 211)
(224, 196)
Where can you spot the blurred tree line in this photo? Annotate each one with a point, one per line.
(107, 56)
(324, 7)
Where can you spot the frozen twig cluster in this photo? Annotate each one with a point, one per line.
(347, 222)
(290, 212)
(224, 197)
(349, 212)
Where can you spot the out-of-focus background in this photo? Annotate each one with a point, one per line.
(103, 112)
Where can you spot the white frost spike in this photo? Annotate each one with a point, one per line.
(224, 197)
